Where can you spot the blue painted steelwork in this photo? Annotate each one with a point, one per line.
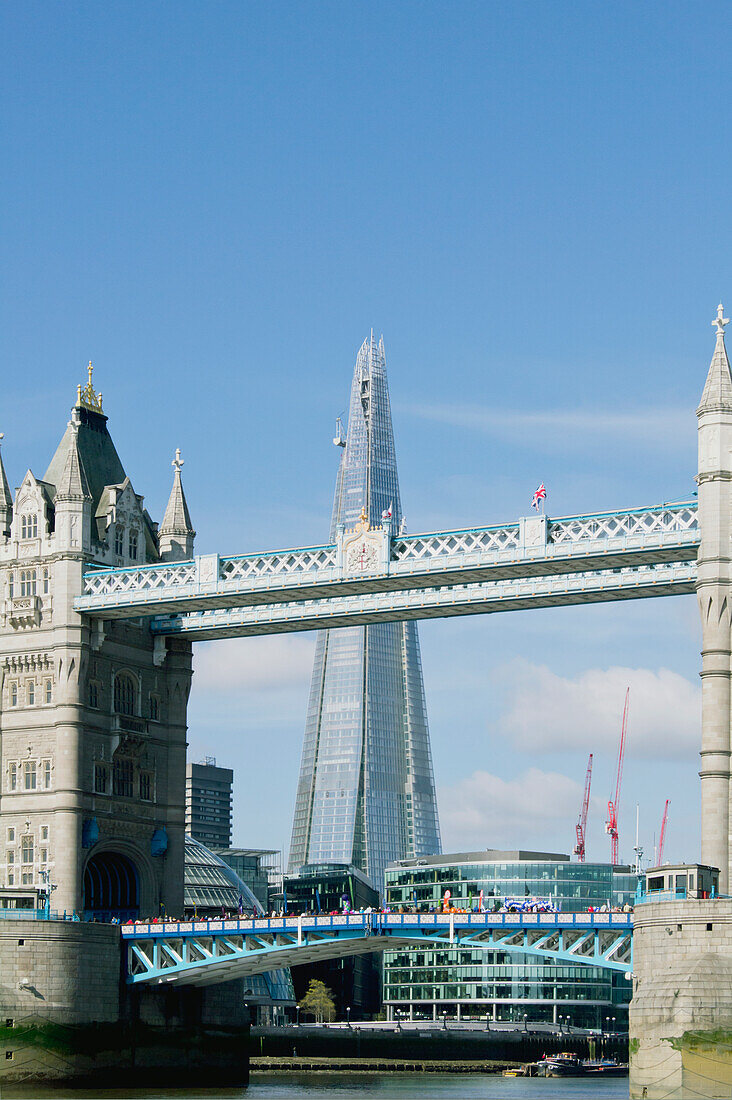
(207, 952)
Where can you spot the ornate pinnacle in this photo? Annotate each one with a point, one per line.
(720, 320)
(86, 396)
(177, 461)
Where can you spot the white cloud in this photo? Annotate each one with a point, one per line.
(561, 425)
(536, 809)
(546, 712)
(240, 667)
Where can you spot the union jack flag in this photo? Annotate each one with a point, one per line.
(540, 494)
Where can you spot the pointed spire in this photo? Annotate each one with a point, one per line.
(73, 483)
(176, 530)
(718, 389)
(6, 500)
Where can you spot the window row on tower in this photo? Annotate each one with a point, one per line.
(24, 857)
(29, 582)
(30, 693)
(29, 775)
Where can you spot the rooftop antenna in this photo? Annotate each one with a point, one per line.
(339, 440)
(638, 848)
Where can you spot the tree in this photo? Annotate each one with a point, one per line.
(318, 1001)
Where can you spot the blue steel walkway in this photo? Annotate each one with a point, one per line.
(207, 952)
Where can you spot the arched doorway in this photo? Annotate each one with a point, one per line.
(111, 888)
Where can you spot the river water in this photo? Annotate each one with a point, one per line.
(345, 1086)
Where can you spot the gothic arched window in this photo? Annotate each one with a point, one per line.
(125, 694)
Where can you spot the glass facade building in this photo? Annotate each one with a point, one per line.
(366, 793)
(211, 888)
(355, 981)
(430, 983)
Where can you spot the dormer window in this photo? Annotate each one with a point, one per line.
(133, 545)
(29, 526)
(119, 540)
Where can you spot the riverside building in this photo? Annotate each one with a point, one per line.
(433, 983)
(366, 793)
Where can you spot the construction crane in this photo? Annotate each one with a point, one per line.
(611, 825)
(663, 832)
(579, 848)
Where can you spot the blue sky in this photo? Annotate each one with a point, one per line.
(215, 202)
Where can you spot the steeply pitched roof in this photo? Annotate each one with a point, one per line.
(73, 483)
(98, 457)
(718, 388)
(6, 501)
(177, 519)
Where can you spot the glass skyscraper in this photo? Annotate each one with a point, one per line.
(366, 794)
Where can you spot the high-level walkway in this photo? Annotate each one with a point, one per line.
(206, 952)
(371, 576)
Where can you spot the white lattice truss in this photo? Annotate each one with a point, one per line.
(208, 952)
(535, 562)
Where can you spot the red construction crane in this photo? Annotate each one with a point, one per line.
(611, 825)
(579, 848)
(663, 832)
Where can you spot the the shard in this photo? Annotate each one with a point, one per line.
(366, 793)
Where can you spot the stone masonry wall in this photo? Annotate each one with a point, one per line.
(66, 972)
(681, 1012)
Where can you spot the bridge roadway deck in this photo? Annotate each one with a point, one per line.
(207, 952)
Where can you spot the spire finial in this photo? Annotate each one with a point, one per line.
(86, 396)
(363, 517)
(720, 320)
(177, 462)
(2, 437)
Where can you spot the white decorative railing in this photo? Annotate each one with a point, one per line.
(278, 564)
(672, 528)
(674, 519)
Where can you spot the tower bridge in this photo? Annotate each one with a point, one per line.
(369, 575)
(101, 604)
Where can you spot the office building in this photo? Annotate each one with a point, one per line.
(354, 980)
(366, 791)
(259, 868)
(457, 983)
(208, 803)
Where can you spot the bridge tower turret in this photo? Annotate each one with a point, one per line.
(92, 715)
(714, 593)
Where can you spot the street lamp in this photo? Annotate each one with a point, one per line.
(444, 1021)
(487, 1022)
(348, 1015)
(525, 1018)
(613, 1025)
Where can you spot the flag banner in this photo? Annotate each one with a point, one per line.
(539, 495)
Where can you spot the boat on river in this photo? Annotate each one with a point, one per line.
(567, 1064)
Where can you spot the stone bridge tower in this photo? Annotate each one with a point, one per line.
(92, 716)
(714, 592)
